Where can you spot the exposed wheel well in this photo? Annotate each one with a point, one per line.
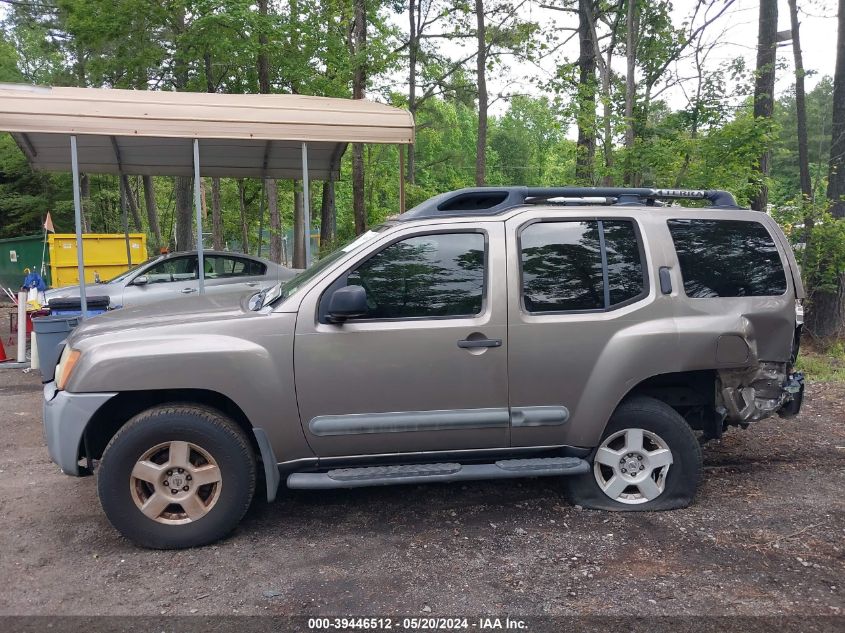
(124, 406)
(690, 393)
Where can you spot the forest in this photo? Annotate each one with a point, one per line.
(639, 94)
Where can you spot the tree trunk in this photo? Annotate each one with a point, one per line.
(270, 185)
(263, 55)
(216, 215)
(764, 88)
(359, 83)
(132, 201)
(184, 214)
(244, 220)
(414, 13)
(481, 78)
(298, 227)
(152, 212)
(826, 316)
(800, 105)
(585, 151)
(630, 88)
(275, 220)
(836, 174)
(328, 219)
(85, 199)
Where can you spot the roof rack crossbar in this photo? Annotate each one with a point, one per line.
(495, 200)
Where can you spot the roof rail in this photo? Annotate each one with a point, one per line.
(496, 200)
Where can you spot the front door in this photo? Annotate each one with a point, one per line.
(426, 368)
(168, 279)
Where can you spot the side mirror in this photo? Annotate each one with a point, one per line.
(141, 280)
(349, 302)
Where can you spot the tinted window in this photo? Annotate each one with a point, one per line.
(562, 265)
(727, 258)
(425, 276)
(624, 268)
(174, 269)
(217, 266)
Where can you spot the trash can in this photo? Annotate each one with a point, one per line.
(72, 306)
(50, 331)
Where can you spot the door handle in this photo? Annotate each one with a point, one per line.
(252, 284)
(186, 291)
(483, 342)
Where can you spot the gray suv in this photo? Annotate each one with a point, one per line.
(597, 335)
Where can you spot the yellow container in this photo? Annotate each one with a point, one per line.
(104, 255)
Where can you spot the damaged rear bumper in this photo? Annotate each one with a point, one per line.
(758, 392)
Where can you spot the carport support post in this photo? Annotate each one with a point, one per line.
(306, 205)
(198, 205)
(77, 209)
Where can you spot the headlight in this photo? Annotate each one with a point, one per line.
(65, 367)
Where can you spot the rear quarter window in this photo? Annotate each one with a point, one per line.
(727, 258)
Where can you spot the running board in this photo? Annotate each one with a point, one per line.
(425, 473)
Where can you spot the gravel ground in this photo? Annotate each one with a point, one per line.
(766, 535)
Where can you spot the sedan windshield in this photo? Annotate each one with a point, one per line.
(131, 271)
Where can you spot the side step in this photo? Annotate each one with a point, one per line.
(425, 473)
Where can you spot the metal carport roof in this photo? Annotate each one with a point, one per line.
(192, 134)
(152, 132)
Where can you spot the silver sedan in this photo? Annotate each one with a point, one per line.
(176, 274)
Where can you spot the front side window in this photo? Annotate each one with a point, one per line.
(174, 269)
(727, 258)
(580, 265)
(425, 276)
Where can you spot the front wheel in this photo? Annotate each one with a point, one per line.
(648, 459)
(176, 476)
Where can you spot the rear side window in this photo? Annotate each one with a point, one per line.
(584, 265)
(727, 258)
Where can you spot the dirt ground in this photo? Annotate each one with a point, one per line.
(766, 535)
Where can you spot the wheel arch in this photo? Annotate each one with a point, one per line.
(117, 411)
(691, 393)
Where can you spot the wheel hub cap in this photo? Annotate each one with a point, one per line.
(175, 482)
(631, 465)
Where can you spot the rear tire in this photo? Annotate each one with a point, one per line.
(648, 459)
(177, 476)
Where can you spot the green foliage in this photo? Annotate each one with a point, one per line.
(203, 45)
(823, 365)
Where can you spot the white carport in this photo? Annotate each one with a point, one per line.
(193, 134)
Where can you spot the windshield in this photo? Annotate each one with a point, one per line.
(131, 271)
(285, 289)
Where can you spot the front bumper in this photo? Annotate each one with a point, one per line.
(66, 416)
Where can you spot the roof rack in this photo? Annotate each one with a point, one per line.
(496, 200)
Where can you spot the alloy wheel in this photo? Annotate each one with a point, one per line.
(175, 482)
(631, 465)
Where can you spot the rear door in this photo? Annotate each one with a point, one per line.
(231, 273)
(426, 368)
(579, 283)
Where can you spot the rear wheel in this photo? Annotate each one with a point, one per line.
(177, 476)
(648, 459)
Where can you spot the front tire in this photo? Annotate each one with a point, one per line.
(177, 476)
(648, 459)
